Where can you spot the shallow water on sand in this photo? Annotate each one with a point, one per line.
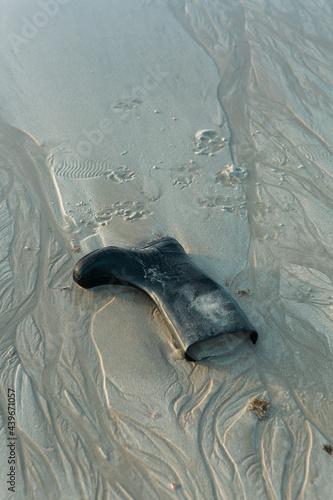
(209, 122)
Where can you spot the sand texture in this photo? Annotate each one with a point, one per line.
(125, 121)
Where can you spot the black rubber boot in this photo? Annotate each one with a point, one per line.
(200, 314)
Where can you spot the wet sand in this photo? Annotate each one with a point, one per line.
(125, 122)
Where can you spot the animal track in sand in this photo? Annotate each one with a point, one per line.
(87, 169)
(127, 104)
(226, 204)
(121, 174)
(208, 142)
(231, 176)
(128, 210)
(184, 175)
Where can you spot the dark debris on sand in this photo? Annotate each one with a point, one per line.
(260, 408)
(328, 448)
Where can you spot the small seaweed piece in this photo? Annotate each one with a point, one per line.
(259, 407)
(328, 448)
(244, 293)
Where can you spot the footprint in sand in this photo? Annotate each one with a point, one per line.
(209, 143)
(121, 174)
(127, 104)
(128, 210)
(231, 175)
(184, 175)
(228, 204)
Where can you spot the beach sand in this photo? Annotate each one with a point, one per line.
(124, 122)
